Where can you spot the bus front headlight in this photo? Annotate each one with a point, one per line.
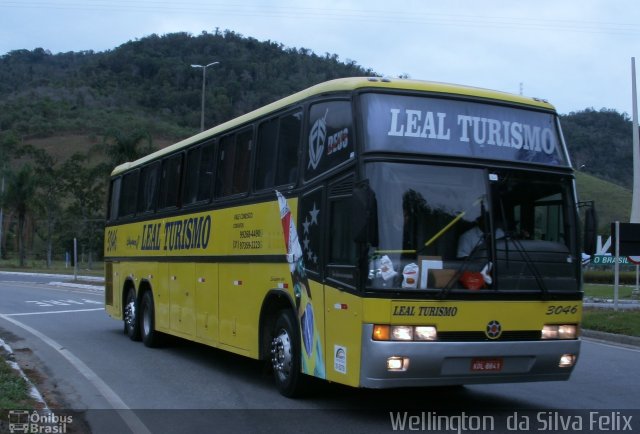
(559, 331)
(383, 332)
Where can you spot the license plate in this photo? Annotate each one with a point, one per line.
(486, 365)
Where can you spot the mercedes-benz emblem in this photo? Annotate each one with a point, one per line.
(494, 330)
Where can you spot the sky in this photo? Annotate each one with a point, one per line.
(574, 53)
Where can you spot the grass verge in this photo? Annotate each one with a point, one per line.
(14, 390)
(606, 291)
(58, 267)
(624, 322)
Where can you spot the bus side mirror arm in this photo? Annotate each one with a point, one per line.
(590, 228)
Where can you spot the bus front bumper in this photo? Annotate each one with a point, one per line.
(455, 363)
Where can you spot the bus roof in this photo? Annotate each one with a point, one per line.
(343, 85)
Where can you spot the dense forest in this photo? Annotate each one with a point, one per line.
(67, 118)
(599, 143)
(150, 83)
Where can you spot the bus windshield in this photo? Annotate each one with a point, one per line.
(448, 228)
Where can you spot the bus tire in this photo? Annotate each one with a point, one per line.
(150, 336)
(131, 321)
(286, 354)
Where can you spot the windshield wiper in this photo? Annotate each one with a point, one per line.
(523, 252)
(530, 264)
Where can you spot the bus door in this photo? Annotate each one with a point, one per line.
(330, 256)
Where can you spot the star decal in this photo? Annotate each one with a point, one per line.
(314, 214)
(309, 241)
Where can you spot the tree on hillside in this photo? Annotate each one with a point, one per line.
(86, 188)
(127, 146)
(8, 145)
(48, 196)
(19, 197)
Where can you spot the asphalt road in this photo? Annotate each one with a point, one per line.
(89, 369)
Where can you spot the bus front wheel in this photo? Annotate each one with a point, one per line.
(131, 322)
(285, 355)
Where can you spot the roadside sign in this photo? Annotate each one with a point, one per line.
(610, 260)
(634, 259)
(629, 243)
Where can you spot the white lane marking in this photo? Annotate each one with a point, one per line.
(51, 311)
(127, 415)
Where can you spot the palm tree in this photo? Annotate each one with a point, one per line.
(19, 197)
(122, 147)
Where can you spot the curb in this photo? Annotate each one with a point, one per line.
(8, 357)
(59, 276)
(611, 337)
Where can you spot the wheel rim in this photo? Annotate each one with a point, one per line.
(281, 355)
(130, 313)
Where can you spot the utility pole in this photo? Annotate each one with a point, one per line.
(204, 77)
(635, 200)
(1, 213)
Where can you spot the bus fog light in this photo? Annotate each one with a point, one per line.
(425, 333)
(402, 333)
(567, 360)
(397, 363)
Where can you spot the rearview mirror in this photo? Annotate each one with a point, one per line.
(590, 230)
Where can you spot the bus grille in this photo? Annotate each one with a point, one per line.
(475, 336)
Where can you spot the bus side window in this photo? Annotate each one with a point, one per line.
(266, 154)
(170, 182)
(128, 194)
(148, 188)
(342, 249)
(233, 164)
(277, 153)
(330, 142)
(191, 176)
(198, 174)
(205, 179)
(288, 144)
(115, 199)
(341, 264)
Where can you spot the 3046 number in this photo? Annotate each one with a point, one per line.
(562, 309)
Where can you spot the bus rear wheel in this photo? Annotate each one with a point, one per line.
(131, 322)
(150, 337)
(285, 356)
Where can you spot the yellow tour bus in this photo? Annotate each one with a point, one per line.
(370, 232)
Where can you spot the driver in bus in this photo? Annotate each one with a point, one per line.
(473, 237)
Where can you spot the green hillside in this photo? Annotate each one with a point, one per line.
(613, 202)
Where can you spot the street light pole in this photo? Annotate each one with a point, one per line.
(204, 70)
